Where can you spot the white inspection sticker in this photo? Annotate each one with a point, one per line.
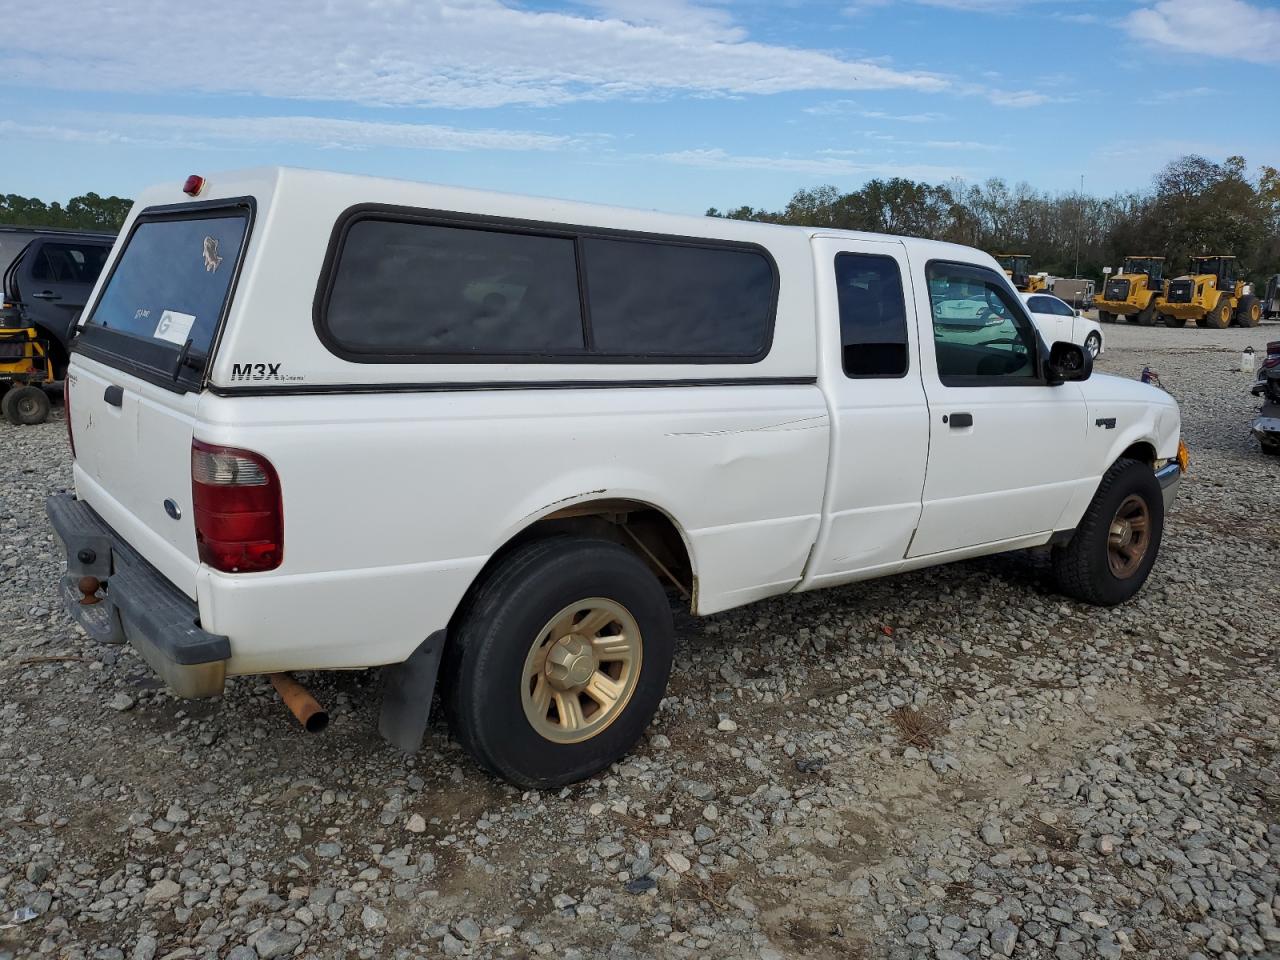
(174, 327)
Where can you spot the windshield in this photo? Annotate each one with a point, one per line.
(171, 282)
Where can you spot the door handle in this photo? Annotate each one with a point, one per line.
(114, 395)
(959, 420)
(47, 295)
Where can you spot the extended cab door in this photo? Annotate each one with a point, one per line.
(871, 375)
(1006, 450)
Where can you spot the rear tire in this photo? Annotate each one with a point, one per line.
(523, 649)
(1175, 322)
(1105, 316)
(1147, 317)
(1111, 554)
(25, 406)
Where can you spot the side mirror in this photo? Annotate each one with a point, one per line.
(1079, 313)
(1068, 361)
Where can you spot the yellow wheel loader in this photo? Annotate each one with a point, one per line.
(1211, 295)
(1134, 293)
(1017, 267)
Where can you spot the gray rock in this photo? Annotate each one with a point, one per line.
(270, 942)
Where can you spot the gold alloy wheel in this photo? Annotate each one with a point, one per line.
(1129, 537)
(582, 670)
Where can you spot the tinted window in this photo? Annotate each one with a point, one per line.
(1051, 305)
(171, 281)
(415, 288)
(669, 299)
(873, 316)
(981, 335)
(68, 262)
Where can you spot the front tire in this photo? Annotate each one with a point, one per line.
(1219, 318)
(1093, 344)
(1115, 546)
(1147, 317)
(1249, 312)
(559, 661)
(1105, 316)
(1176, 322)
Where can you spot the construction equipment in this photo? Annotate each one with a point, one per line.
(1134, 293)
(25, 366)
(1211, 295)
(1271, 302)
(1017, 267)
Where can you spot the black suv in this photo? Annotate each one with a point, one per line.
(48, 275)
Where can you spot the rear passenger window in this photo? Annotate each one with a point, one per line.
(873, 316)
(68, 263)
(672, 300)
(416, 288)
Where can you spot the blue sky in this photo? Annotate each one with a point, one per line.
(670, 104)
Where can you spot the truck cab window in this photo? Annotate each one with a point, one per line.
(873, 316)
(981, 336)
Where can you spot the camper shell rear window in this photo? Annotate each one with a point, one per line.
(411, 286)
(162, 306)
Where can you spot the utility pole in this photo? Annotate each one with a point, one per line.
(1079, 225)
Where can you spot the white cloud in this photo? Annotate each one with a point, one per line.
(680, 14)
(1018, 98)
(438, 53)
(205, 132)
(834, 108)
(1220, 28)
(824, 165)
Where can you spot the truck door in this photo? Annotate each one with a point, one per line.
(870, 373)
(1006, 450)
(54, 280)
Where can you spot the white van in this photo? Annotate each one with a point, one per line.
(324, 422)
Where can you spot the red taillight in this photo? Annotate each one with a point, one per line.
(66, 412)
(193, 186)
(238, 510)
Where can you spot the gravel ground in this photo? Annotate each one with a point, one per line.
(955, 763)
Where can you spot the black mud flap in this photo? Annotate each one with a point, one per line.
(407, 689)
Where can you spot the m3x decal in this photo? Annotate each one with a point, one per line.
(1108, 423)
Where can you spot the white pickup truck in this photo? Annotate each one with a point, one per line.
(326, 422)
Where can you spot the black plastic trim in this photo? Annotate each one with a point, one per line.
(99, 345)
(575, 232)
(330, 389)
(165, 616)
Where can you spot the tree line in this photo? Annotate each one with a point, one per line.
(87, 212)
(1194, 206)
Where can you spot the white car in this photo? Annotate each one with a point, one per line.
(324, 422)
(1058, 320)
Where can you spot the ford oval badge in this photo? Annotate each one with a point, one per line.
(172, 509)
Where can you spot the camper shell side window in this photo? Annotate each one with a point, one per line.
(402, 285)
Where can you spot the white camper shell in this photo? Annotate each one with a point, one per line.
(333, 422)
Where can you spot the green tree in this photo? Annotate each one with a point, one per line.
(87, 212)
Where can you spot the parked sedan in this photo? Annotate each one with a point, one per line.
(1058, 321)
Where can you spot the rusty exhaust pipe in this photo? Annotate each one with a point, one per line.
(300, 702)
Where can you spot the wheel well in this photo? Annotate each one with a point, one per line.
(640, 527)
(1143, 452)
